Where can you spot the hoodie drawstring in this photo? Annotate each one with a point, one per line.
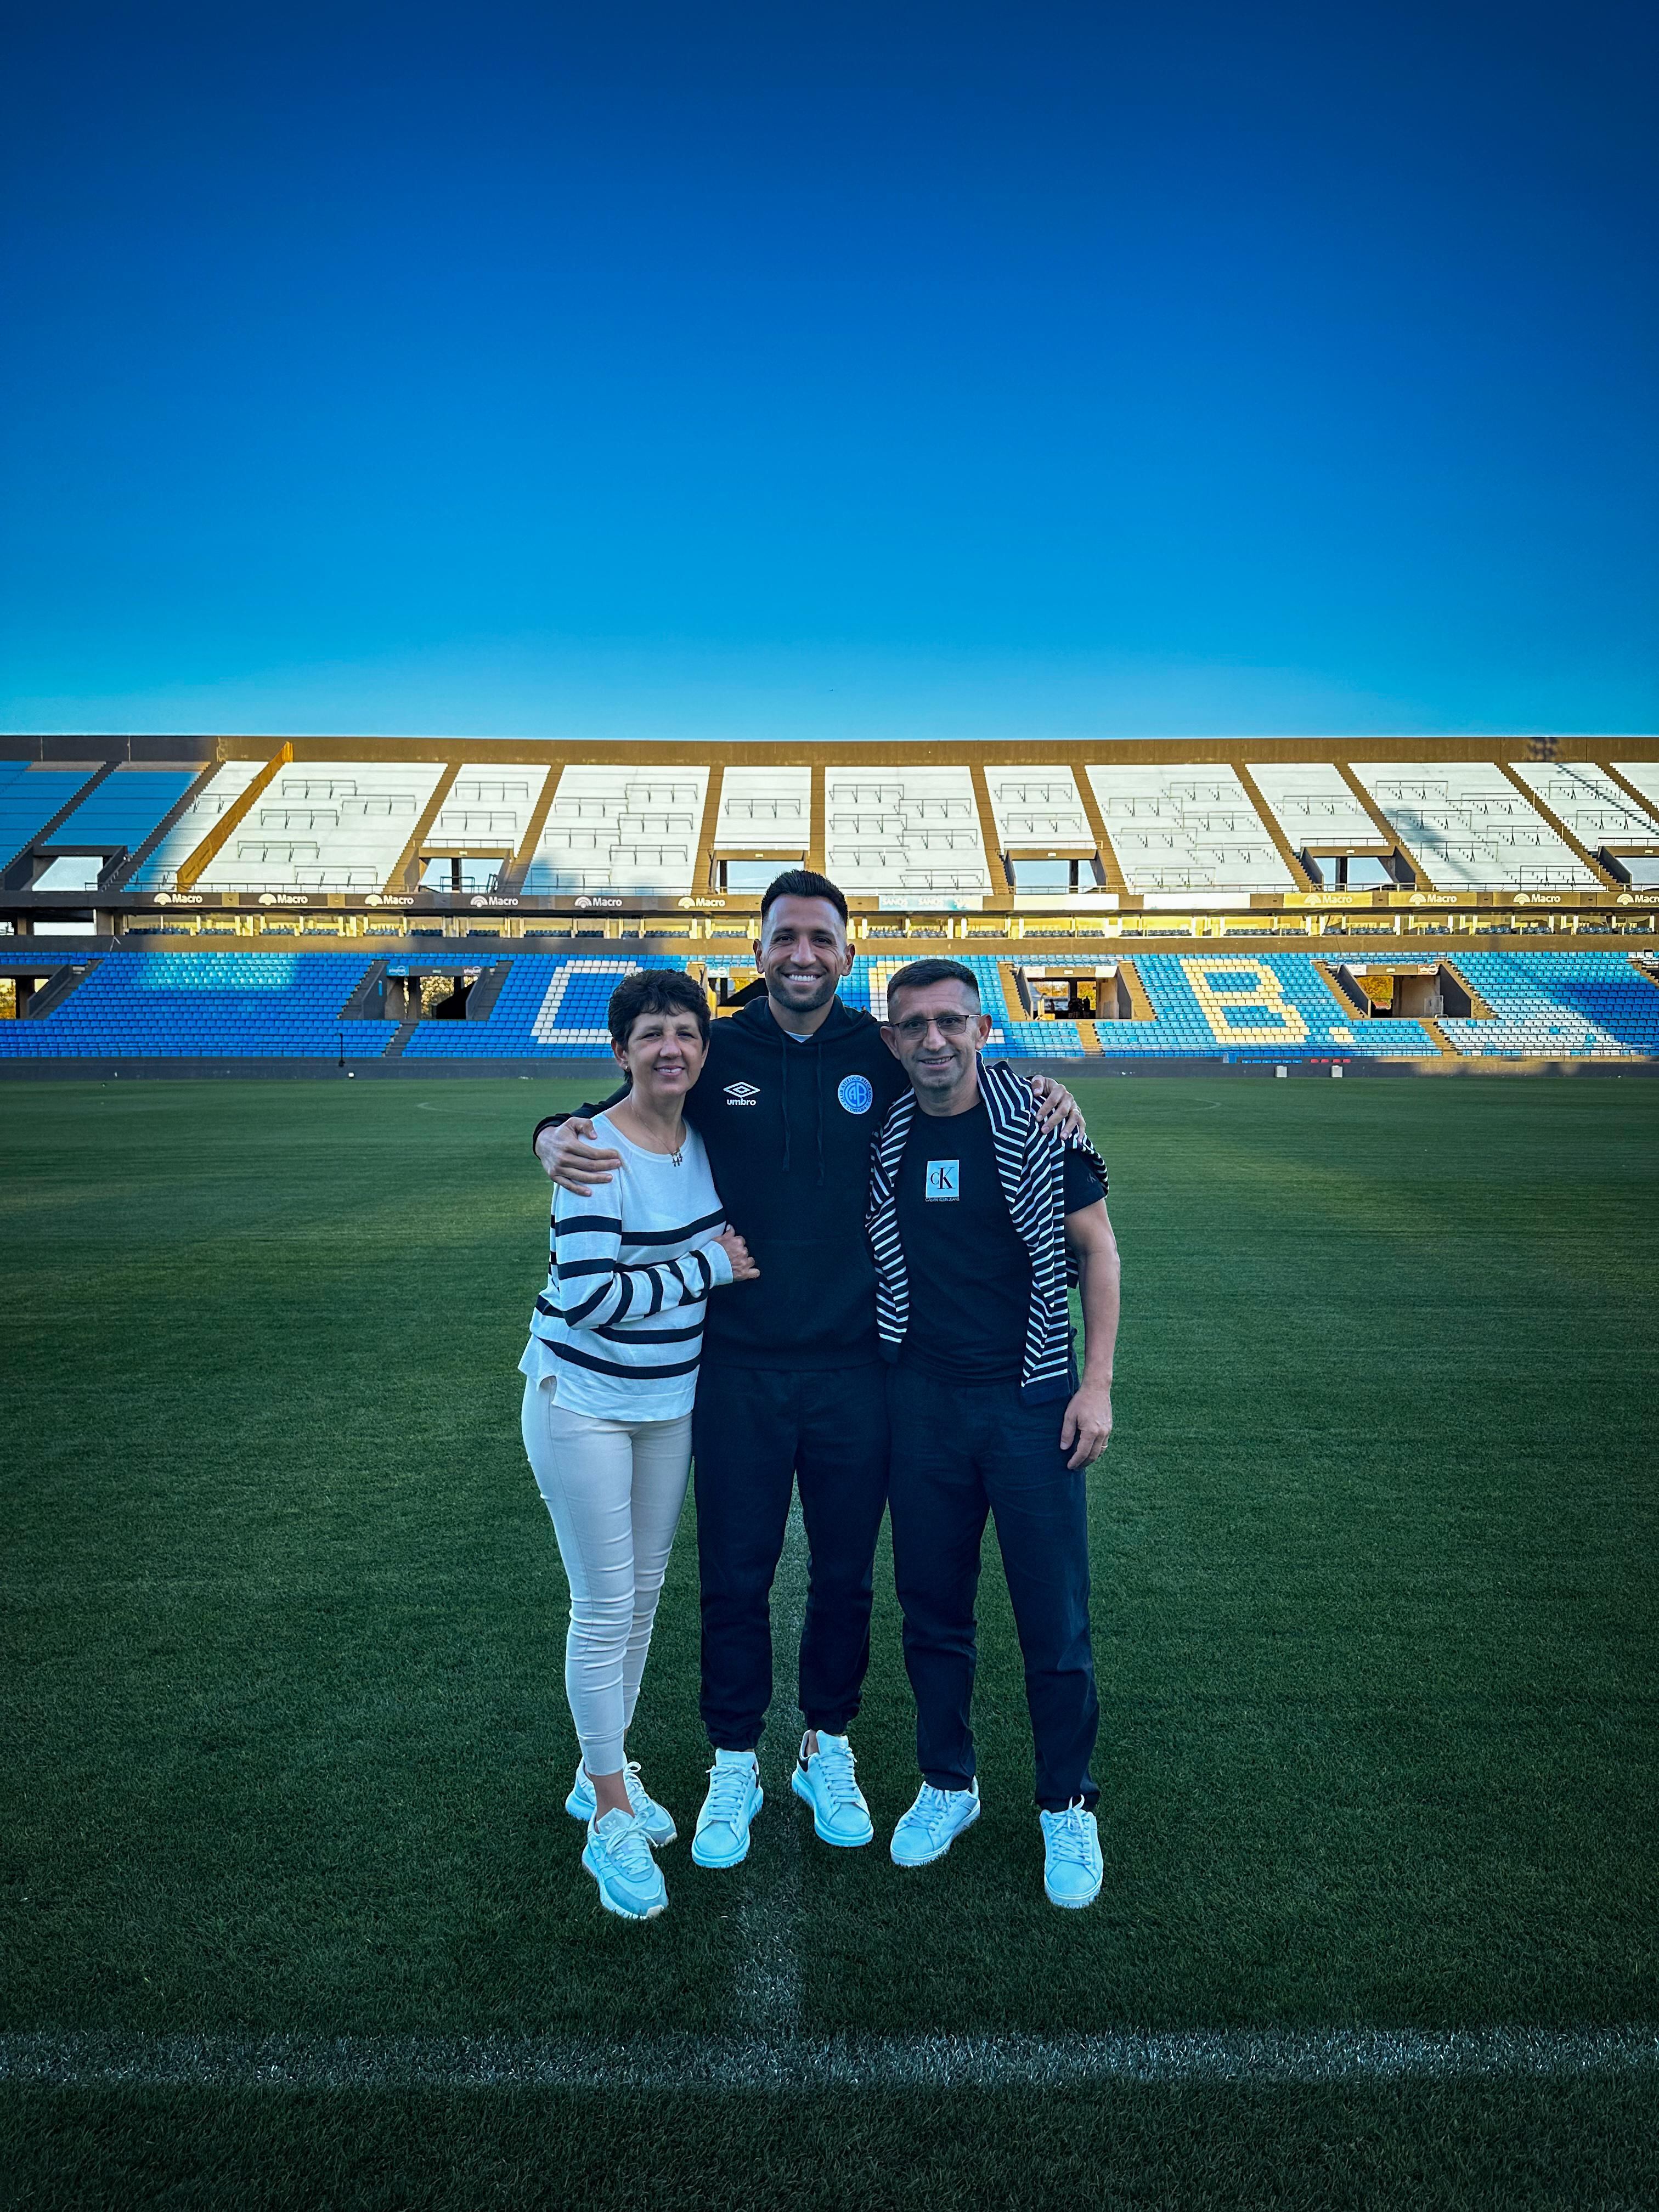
(783, 1078)
(817, 1093)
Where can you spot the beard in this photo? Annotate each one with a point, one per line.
(820, 995)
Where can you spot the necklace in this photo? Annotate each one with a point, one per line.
(676, 1154)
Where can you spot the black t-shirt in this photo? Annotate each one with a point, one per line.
(969, 1275)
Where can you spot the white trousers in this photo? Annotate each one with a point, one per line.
(615, 1490)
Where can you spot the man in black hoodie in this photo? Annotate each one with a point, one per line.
(792, 1094)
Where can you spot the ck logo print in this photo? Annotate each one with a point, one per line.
(944, 1181)
(741, 1094)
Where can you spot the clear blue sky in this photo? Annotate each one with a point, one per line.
(1026, 370)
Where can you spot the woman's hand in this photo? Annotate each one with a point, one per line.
(744, 1269)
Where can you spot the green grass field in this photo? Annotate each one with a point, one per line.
(1375, 1617)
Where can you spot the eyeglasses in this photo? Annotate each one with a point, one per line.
(950, 1027)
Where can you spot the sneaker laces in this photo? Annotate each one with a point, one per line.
(729, 1785)
(933, 1807)
(638, 1795)
(836, 1779)
(627, 1848)
(1069, 1837)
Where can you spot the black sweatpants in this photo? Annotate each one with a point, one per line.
(756, 1431)
(960, 1449)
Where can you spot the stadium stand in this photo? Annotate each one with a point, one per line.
(142, 1005)
(1178, 830)
(29, 797)
(1261, 1006)
(903, 834)
(1292, 901)
(159, 869)
(114, 818)
(1467, 827)
(1578, 1006)
(547, 1008)
(620, 829)
(484, 818)
(324, 826)
(1645, 776)
(1323, 822)
(764, 824)
(1043, 827)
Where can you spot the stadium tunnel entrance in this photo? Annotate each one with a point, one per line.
(1110, 991)
(1406, 991)
(426, 991)
(29, 992)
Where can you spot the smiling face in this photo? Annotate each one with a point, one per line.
(803, 954)
(936, 1030)
(664, 1055)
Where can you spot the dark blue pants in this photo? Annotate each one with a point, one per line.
(961, 1449)
(756, 1431)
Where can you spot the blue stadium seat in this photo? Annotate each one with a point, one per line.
(1265, 1006)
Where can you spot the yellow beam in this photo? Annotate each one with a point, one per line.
(1601, 874)
(234, 815)
(702, 863)
(817, 832)
(399, 880)
(1109, 868)
(1385, 829)
(532, 835)
(1300, 875)
(1001, 886)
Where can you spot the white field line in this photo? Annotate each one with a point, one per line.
(1260, 2058)
(769, 1920)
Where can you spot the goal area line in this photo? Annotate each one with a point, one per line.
(781, 2063)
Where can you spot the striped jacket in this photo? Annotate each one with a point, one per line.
(1030, 1166)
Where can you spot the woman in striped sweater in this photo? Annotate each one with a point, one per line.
(609, 1373)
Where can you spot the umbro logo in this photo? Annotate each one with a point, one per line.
(742, 1094)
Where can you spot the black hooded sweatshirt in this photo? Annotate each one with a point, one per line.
(788, 1128)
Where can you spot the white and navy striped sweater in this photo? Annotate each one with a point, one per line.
(1031, 1168)
(619, 1326)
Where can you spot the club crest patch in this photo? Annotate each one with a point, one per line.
(856, 1093)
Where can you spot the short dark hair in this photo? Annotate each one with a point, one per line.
(920, 973)
(654, 991)
(801, 883)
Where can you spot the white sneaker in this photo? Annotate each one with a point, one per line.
(734, 1797)
(827, 1782)
(1072, 1870)
(619, 1857)
(657, 1820)
(933, 1824)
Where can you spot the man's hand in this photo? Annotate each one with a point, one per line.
(1088, 1423)
(573, 1161)
(1058, 1113)
(744, 1269)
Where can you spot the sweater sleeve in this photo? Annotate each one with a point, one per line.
(596, 1289)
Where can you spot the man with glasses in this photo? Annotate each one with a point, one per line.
(979, 1221)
